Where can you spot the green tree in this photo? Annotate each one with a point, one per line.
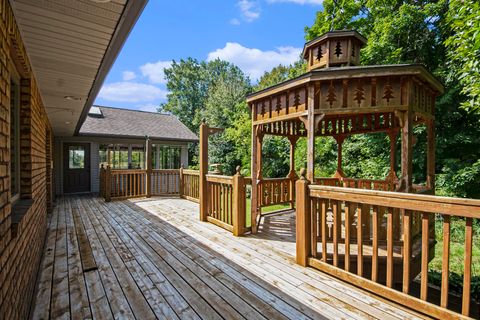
(225, 107)
(430, 32)
(187, 83)
(464, 48)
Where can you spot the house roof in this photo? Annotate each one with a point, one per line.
(114, 122)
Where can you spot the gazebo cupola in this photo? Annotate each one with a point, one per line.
(334, 49)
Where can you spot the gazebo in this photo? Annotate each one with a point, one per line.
(336, 97)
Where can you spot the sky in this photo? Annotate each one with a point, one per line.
(255, 35)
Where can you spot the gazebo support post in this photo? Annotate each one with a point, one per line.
(431, 155)
(407, 149)
(292, 175)
(392, 175)
(339, 173)
(203, 171)
(310, 125)
(148, 166)
(257, 140)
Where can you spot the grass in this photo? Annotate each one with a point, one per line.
(264, 210)
(457, 252)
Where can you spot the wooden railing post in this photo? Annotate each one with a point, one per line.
(108, 184)
(203, 171)
(239, 205)
(303, 220)
(180, 182)
(102, 181)
(292, 175)
(148, 159)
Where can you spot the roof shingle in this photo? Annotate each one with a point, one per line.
(117, 122)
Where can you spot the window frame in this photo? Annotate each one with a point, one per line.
(15, 88)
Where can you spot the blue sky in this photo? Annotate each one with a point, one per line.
(256, 35)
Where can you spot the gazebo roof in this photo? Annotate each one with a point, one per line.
(352, 72)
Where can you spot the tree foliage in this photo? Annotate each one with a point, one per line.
(445, 37)
(464, 48)
(442, 35)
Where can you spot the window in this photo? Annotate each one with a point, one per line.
(76, 157)
(133, 156)
(15, 136)
(166, 157)
(138, 157)
(115, 155)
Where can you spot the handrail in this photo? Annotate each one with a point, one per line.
(226, 205)
(219, 179)
(334, 235)
(190, 184)
(411, 201)
(191, 172)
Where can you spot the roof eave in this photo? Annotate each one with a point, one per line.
(103, 135)
(130, 15)
(342, 72)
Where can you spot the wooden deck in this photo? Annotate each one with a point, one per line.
(153, 258)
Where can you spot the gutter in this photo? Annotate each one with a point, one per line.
(129, 17)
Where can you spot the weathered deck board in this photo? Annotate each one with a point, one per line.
(271, 257)
(155, 259)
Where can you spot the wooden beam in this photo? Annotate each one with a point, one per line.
(407, 150)
(311, 134)
(203, 171)
(254, 168)
(292, 175)
(392, 135)
(303, 227)
(148, 166)
(339, 173)
(431, 155)
(238, 214)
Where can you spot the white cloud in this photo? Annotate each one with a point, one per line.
(154, 71)
(314, 2)
(128, 75)
(250, 10)
(235, 21)
(255, 62)
(151, 107)
(131, 92)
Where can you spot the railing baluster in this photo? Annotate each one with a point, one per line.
(425, 246)
(407, 248)
(224, 201)
(390, 213)
(324, 229)
(336, 223)
(467, 272)
(348, 221)
(360, 240)
(445, 261)
(314, 224)
(375, 245)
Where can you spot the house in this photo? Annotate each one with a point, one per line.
(117, 137)
(54, 58)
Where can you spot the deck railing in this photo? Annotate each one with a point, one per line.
(165, 182)
(273, 191)
(327, 239)
(131, 183)
(190, 184)
(126, 183)
(226, 205)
